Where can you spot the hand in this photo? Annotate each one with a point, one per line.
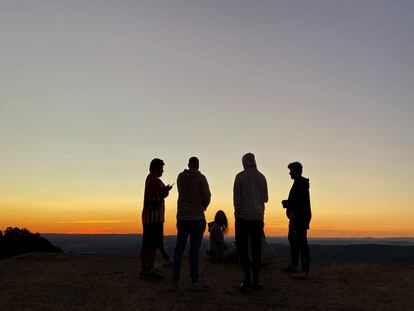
(285, 203)
(169, 187)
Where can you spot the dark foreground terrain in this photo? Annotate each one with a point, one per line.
(38, 281)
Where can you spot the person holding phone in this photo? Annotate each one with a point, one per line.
(153, 219)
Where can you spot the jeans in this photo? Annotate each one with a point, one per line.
(298, 241)
(195, 229)
(252, 229)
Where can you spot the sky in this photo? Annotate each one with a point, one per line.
(91, 91)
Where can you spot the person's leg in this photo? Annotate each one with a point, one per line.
(161, 245)
(304, 250)
(182, 235)
(294, 250)
(242, 236)
(149, 248)
(146, 237)
(256, 232)
(196, 237)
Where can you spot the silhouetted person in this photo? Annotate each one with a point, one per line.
(249, 198)
(193, 199)
(298, 210)
(153, 219)
(218, 249)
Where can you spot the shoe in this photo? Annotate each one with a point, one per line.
(291, 268)
(245, 287)
(301, 275)
(200, 285)
(144, 275)
(257, 286)
(156, 276)
(174, 285)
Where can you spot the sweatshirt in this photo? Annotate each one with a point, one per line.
(249, 191)
(298, 206)
(193, 195)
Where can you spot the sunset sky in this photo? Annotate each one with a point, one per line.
(91, 91)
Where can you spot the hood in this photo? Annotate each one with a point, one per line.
(248, 160)
(191, 174)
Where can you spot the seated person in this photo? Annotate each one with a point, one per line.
(218, 249)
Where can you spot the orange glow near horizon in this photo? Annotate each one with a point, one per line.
(127, 220)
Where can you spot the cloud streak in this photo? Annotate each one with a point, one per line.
(94, 221)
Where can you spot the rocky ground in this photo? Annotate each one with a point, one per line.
(110, 282)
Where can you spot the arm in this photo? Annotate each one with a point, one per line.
(265, 193)
(217, 236)
(205, 193)
(237, 196)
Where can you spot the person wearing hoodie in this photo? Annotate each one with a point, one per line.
(298, 210)
(249, 197)
(193, 199)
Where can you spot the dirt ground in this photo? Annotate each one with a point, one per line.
(110, 282)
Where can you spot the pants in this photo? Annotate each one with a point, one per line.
(195, 229)
(298, 241)
(252, 229)
(152, 238)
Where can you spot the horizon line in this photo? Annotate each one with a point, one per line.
(267, 236)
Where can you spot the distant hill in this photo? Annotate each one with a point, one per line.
(363, 250)
(16, 241)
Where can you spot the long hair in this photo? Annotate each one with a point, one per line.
(221, 220)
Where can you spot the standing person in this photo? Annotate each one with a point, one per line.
(298, 210)
(249, 198)
(193, 199)
(153, 219)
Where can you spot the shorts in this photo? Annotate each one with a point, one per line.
(153, 236)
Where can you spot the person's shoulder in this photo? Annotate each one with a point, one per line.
(304, 182)
(261, 174)
(181, 174)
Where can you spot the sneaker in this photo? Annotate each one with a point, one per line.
(156, 276)
(174, 285)
(245, 287)
(145, 275)
(257, 286)
(300, 275)
(200, 285)
(291, 269)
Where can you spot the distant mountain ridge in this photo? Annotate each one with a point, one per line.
(384, 250)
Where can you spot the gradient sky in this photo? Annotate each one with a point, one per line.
(91, 91)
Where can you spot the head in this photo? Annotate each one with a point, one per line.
(221, 220)
(156, 167)
(295, 170)
(193, 163)
(248, 160)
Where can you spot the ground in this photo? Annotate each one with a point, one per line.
(110, 282)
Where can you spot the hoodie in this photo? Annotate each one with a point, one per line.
(249, 191)
(193, 195)
(298, 206)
